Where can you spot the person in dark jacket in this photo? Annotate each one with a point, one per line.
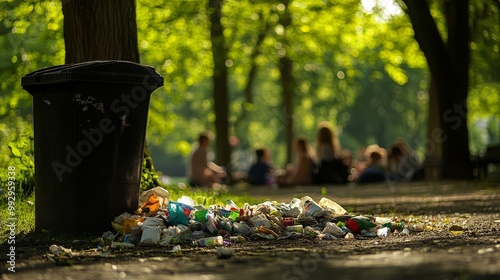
(260, 171)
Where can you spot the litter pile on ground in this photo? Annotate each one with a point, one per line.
(160, 221)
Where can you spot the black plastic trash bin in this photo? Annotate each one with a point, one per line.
(90, 124)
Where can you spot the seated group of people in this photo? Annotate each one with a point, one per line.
(329, 165)
(376, 165)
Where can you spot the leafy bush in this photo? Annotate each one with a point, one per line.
(16, 149)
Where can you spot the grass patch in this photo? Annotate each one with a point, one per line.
(25, 212)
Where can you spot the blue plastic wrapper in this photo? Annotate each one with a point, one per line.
(176, 214)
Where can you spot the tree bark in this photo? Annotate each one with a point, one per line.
(103, 30)
(100, 29)
(220, 87)
(433, 146)
(285, 66)
(448, 64)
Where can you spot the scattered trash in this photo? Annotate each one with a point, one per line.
(59, 250)
(295, 228)
(150, 235)
(160, 221)
(161, 194)
(176, 249)
(334, 230)
(209, 241)
(382, 232)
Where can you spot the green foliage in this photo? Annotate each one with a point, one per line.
(357, 67)
(16, 150)
(148, 177)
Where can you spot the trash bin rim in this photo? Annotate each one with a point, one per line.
(95, 71)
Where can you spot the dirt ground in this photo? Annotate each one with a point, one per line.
(435, 253)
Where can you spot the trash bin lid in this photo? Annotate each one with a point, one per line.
(107, 71)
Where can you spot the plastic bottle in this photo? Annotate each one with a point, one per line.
(333, 229)
(311, 207)
(227, 225)
(334, 206)
(242, 228)
(209, 241)
(295, 228)
(210, 224)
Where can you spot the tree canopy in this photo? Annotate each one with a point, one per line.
(356, 64)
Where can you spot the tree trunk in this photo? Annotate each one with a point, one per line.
(249, 86)
(103, 30)
(287, 82)
(448, 64)
(433, 146)
(100, 29)
(220, 87)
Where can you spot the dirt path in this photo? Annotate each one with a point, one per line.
(436, 253)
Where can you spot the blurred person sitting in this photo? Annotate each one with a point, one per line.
(402, 164)
(260, 172)
(375, 167)
(302, 172)
(332, 169)
(201, 171)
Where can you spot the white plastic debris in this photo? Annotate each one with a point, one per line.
(57, 249)
(382, 232)
(162, 194)
(333, 229)
(150, 235)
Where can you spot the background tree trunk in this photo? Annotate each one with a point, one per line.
(239, 130)
(433, 150)
(287, 82)
(220, 88)
(103, 30)
(448, 64)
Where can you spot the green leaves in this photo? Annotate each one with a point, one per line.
(14, 149)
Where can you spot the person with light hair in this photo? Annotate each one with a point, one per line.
(375, 168)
